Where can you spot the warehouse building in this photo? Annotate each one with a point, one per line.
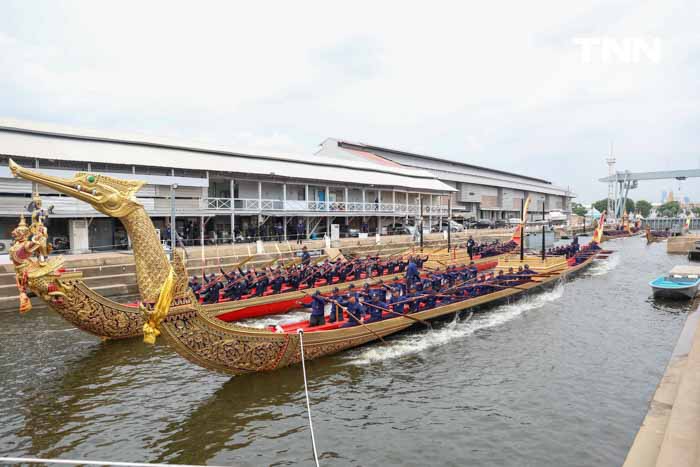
(218, 193)
(479, 193)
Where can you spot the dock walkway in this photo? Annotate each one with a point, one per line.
(670, 433)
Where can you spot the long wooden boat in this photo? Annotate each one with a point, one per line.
(615, 234)
(171, 308)
(236, 349)
(66, 293)
(653, 236)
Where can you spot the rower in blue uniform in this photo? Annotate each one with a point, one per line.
(412, 271)
(394, 302)
(318, 306)
(375, 314)
(355, 313)
(336, 311)
(305, 256)
(473, 270)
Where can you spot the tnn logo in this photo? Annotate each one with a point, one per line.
(624, 50)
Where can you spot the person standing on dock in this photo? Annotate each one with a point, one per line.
(470, 247)
(300, 231)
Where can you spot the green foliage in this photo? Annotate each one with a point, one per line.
(602, 205)
(670, 209)
(643, 207)
(578, 209)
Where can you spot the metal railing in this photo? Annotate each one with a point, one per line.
(261, 205)
(65, 206)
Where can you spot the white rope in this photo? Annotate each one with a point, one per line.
(35, 460)
(306, 391)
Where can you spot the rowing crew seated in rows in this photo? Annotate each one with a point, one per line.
(257, 283)
(368, 304)
(564, 250)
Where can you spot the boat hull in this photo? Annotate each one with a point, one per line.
(678, 294)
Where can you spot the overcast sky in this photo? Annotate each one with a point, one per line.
(506, 85)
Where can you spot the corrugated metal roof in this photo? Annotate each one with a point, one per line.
(37, 142)
(437, 159)
(478, 176)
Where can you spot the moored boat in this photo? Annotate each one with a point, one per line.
(681, 283)
(656, 235)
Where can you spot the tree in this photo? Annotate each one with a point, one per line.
(578, 209)
(602, 205)
(670, 209)
(643, 206)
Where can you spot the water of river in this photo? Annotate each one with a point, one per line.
(561, 378)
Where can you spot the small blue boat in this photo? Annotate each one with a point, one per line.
(676, 286)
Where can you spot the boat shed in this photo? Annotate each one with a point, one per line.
(480, 193)
(249, 194)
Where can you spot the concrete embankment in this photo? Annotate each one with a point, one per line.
(113, 274)
(670, 433)
(681, 245)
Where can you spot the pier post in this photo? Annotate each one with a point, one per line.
(522, 229)
(543, 233)
(449, 223)
(420, 209)
(173, 231)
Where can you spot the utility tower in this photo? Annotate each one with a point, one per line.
(611, 185)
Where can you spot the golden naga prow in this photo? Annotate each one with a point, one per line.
(194, 333)
(116, 198)
(65, 292)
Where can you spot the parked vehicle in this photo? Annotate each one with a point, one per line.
(454, 226)
(514, 221)
(396, 229)
(349, 231)
(469, 223)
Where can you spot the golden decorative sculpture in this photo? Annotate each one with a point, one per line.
(21, 253)
(160, 310)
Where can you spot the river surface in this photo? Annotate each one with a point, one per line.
(560, 378)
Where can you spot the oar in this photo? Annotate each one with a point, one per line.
(506, 286)
(401, 314)
(218, 279)
(357, 320)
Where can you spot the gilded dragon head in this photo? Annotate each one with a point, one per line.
(110, 196)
